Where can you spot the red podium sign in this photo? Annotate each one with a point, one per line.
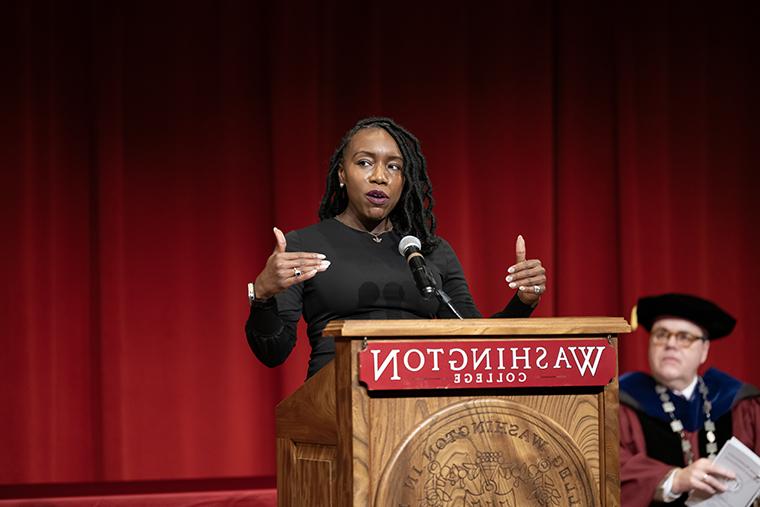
(462, 364)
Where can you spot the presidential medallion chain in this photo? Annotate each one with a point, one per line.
(677, 426)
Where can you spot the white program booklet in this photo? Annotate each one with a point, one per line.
(742, 491)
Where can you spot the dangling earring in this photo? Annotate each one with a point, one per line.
(342, 184)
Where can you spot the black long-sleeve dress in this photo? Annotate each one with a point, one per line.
(366, 280)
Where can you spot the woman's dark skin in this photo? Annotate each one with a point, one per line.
(373, 174)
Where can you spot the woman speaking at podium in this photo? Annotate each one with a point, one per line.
(348, 265)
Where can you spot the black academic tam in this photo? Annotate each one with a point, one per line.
(706, 314)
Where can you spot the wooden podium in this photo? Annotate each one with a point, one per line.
(341, 444)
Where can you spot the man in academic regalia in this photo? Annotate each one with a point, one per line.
(673, 422)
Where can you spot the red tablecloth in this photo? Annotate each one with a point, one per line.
(237, 491)
(239, 498)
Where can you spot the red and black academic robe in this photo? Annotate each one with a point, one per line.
(649, 448)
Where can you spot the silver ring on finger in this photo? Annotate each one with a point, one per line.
(537, 289)
(704, 479)
(297, 272)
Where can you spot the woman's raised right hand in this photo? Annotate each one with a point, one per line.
(284, 269)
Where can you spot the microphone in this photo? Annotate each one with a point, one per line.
(410, 248)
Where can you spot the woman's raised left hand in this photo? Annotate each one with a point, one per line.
(528, 277)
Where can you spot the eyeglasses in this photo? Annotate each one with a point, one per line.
(660, 336)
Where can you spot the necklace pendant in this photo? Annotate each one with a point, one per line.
(377, 239)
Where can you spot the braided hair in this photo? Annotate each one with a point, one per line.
(413, 213)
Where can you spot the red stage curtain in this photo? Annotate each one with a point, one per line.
(147, 149)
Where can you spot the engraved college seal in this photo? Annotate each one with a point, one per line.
(487, 453)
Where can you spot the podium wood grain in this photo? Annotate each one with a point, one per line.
(337, 442)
